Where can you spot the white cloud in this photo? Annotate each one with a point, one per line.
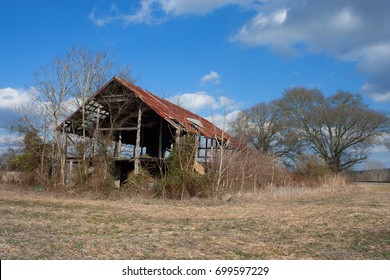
(276, 18)
(223, 120)
(350, 30)
(212, 77)
(201, 100)
(193, 101)
(8, 140)
(148, 12)
(113, 14)
(180, 7)
(157, 11)
(145, 14)
(11, 98)
(381, 97)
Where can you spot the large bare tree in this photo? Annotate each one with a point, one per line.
(339, 128)
(264, 128)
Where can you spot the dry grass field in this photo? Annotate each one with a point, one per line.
(346, 223)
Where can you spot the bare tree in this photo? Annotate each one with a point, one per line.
(54, 84)
(36, 119)
(339, 128)
(264, 128)
(89, 71)
(75, 76)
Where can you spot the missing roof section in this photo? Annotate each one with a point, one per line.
(196, 122)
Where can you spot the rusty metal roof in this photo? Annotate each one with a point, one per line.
(172, 113)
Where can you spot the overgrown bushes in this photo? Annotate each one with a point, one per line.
(239, 171)
(181, 181)
(231, 172)
(139, 184)
(244, 170)
(227, 172)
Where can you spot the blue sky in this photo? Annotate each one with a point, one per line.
(206, 53)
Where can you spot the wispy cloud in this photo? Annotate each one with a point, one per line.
(199, 7)
(148, 12)
(158, 11)
(212, 77)
(113, 14)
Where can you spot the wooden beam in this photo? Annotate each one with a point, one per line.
(97, 118)
(138, 143)
(119, 129)
(119, 146)
(64, 158)
(95, 132)
(205, 151)
(71, 165)
(177, 140)
(160, 139)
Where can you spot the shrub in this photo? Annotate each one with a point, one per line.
(140, 184)
(312, 171)
(247, 170)
(311, 167)
(181, 181)
(96, 176)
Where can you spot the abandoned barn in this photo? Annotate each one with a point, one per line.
(139, 127)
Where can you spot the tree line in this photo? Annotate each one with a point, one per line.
(339, 129)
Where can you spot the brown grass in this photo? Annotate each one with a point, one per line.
(284, 223)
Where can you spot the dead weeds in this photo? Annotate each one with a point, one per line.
(290, 223)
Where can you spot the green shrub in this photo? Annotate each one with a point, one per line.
(181, 181)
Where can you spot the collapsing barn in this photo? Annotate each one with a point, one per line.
(140, 126)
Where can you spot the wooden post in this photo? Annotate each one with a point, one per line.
(95, 133)
(64, 159)
(206, 149)
(160, 155)
(138, 143)
(97, 118)
(70, 167)
(177, 140)
(119, 146)
(197, 145)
